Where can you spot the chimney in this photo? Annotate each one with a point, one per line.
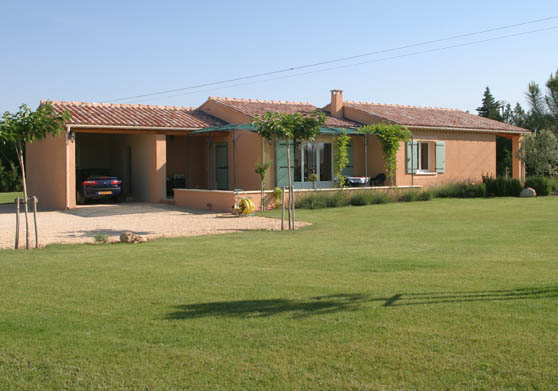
(336, 106)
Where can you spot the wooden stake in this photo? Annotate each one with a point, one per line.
(17, 224)
(35, 221)
(293, 206)
(283, 208)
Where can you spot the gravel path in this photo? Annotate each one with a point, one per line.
(80, 225)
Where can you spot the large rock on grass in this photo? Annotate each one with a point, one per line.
(528, 192)
(130, 237)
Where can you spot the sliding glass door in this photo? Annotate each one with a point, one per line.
(313, 159)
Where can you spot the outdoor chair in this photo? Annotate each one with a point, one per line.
(378, 180)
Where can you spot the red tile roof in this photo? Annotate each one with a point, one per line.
(133, 115)
(432, 117)
(252, 107)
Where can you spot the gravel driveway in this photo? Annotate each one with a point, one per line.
(80, 225)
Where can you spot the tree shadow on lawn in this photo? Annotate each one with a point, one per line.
(349, 302)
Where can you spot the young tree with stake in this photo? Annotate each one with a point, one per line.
(26, 126)
(293, 128)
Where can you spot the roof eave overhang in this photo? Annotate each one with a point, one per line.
(129, 127)
(442, 128)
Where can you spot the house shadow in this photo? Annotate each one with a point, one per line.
(344, 302)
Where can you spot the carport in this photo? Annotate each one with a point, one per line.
(128, 140)
(127, 156)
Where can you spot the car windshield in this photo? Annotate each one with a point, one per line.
(94, 172)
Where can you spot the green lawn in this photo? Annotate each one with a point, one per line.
(447, 294)
(8, 198)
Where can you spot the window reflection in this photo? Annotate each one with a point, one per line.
(308, 157)
(325, 162)
(309, 161)
(297, 162)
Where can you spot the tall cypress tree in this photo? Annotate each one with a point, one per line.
(490, 106)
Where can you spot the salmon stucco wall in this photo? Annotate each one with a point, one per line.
(248, 155)
(468, 156)
(225, 113)
(46, 171)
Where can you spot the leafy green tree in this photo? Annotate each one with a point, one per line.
(293, 128)
(490, 107)
(261, 170)
(26, 126)
(516, 116)
(539, 151)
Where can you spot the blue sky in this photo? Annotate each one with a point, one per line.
(103, 50)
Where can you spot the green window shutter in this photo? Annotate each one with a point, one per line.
(281, 166)
(440, 157)
(222, 165)
(349, 169)
(412, 157)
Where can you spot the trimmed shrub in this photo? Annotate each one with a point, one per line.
(312, 201)
(502, 187)
(541, 184)
(425, 195)
(379, 198)
(10, 180)
(408, 196)
(554, 184)
(460, 190)
(336, 199)
(359, 199)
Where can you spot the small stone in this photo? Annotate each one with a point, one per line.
(130, 237)
(528, 192)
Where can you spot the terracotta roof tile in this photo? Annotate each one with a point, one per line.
(431, 117)
(254, 107)
(135, 115)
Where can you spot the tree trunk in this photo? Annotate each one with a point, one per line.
(290, 181)
(262, 185)
(19, 151)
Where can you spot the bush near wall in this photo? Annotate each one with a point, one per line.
(489, 187)
(541, 184)
(10, 179)
(502, 187)
(460, 190)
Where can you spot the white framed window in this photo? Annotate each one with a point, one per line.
(423, 157)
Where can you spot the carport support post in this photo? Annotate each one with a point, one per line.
(234, 159)
(159, 175)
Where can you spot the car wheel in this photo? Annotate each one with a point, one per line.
(80, 199)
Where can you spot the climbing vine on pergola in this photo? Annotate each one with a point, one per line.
(390, 136)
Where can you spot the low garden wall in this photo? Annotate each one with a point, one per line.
(224, 201)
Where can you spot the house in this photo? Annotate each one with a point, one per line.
(205, 157)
